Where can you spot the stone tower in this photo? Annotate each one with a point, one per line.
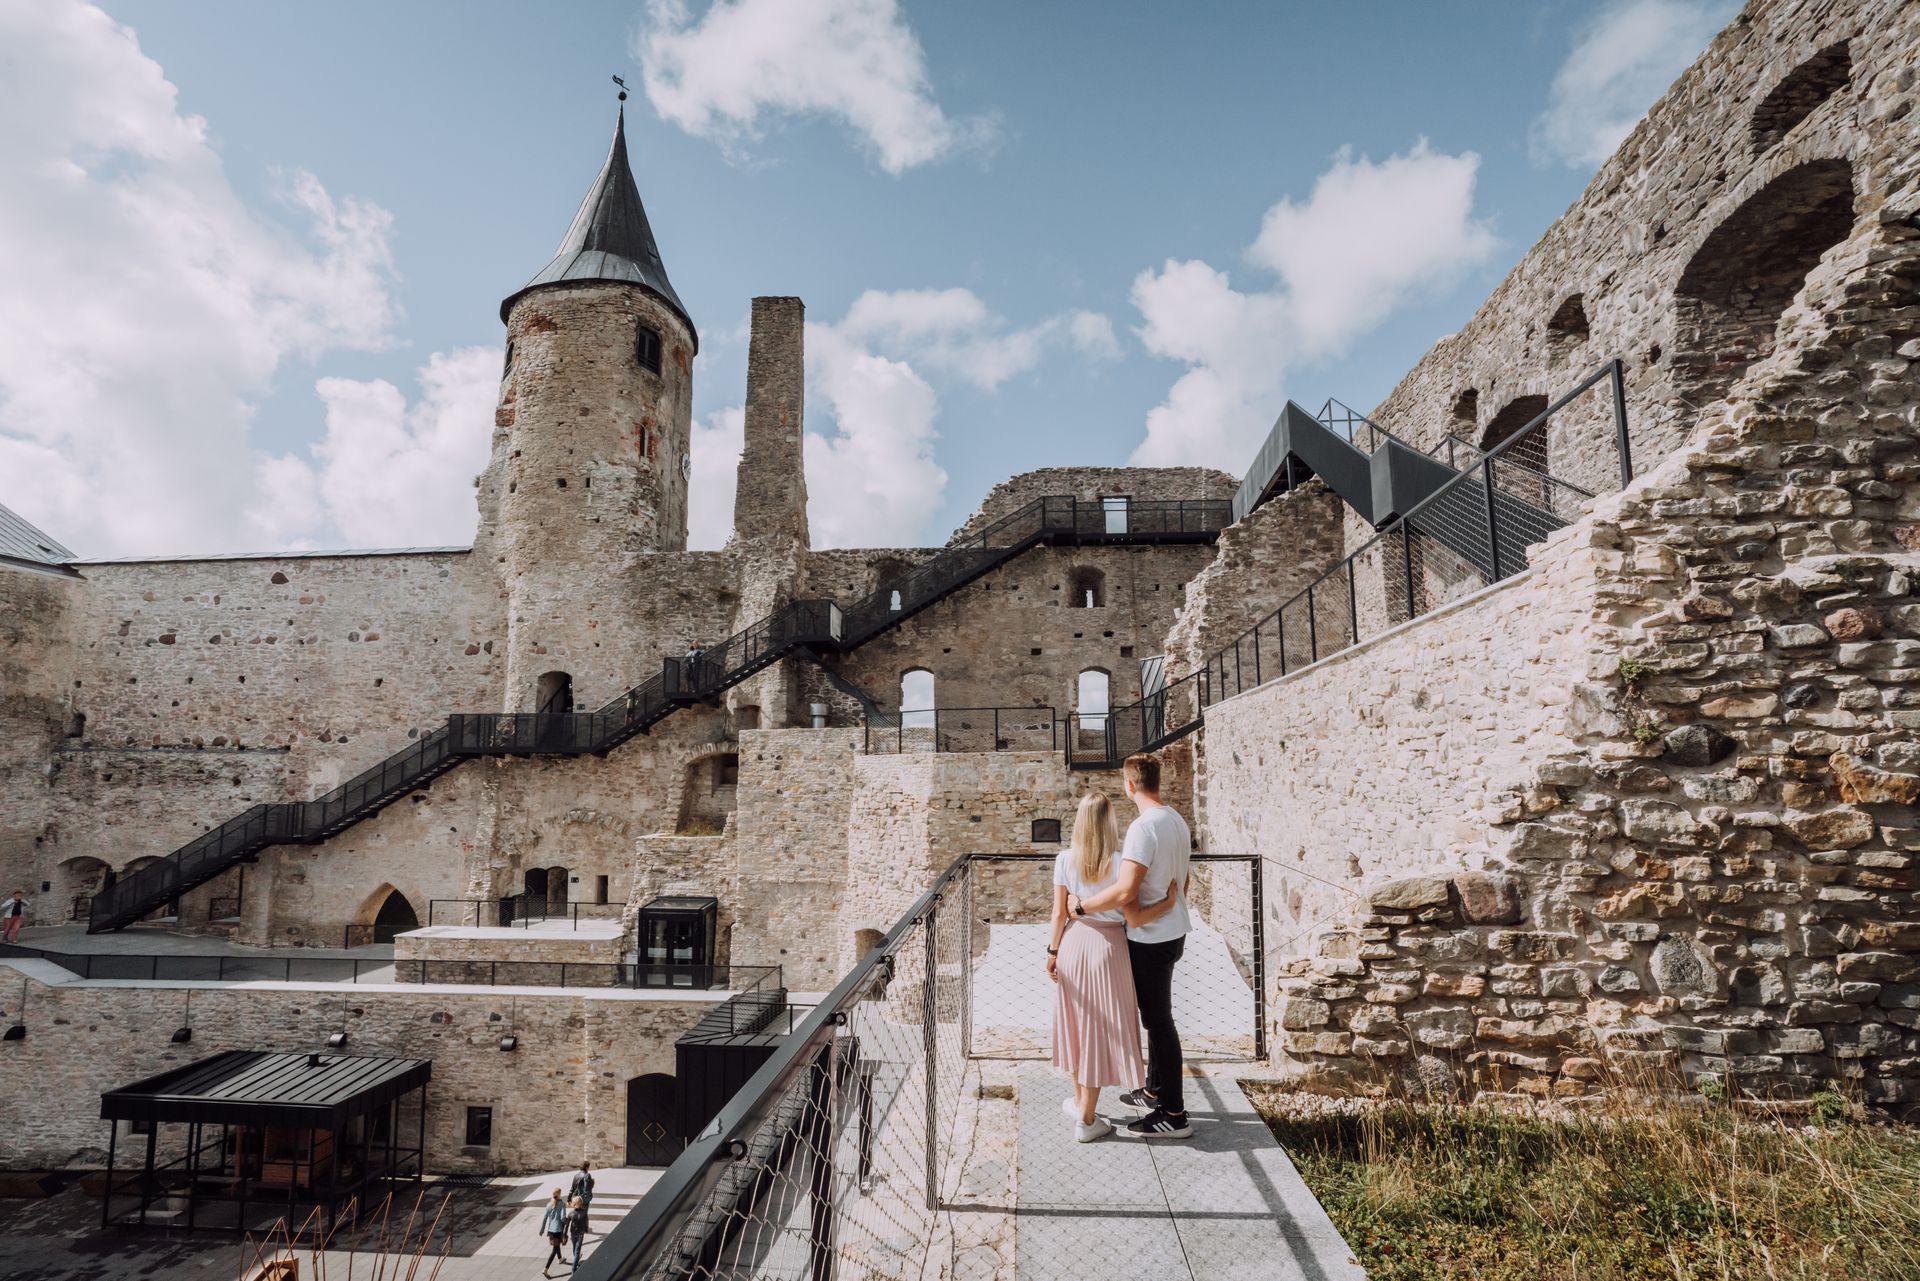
(770, 494)
(591, 443)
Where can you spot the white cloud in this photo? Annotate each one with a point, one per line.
(952, 331)
(1622, 60)
(1371, 238)
(387, 474)
(146, 308)
(874, 481)
(717, 443)
(722, 75)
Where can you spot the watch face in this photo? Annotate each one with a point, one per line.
(686, 466)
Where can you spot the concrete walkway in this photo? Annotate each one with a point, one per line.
(1225, 1205)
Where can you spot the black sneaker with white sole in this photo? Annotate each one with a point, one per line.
(1140, 1099)
(1160, 1125)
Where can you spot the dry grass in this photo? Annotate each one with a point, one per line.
(1644, 1190)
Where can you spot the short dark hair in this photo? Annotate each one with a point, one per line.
(1142, 769)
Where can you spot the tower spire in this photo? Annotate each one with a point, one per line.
(610, 238)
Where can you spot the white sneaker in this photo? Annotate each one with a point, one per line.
(1088, 1133)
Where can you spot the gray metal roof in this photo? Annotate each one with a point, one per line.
(610, 238)
(28, 547)
(260, 1086)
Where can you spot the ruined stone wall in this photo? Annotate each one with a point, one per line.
(35, 685)
(1091, 484)
(1696, 854)
(558, 1099)
(1014, 639)
(1633, 268)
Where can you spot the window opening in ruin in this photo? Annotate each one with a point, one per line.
(1087, 589)
(1091, 701)
(507, 367)
(1523, 469)
(865, 941)
(646, 349)
(536, 883)
(1748, 271)
(916, 699)
(1114, 508)
(1800, 94)
(600, 888)
(1046, 831)
(1567, 328)
(889, 571)
(77, 725)
(707, 794)
(556, 890)
(479, 1127)
(728, 773)
(554, 693)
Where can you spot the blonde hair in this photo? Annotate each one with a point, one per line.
(1095, 838)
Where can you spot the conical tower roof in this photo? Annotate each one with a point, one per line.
(610, 238)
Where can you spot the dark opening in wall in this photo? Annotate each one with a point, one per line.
(1046, 831)
(1087, 589)
(1796, 97)
(646, 348)
(553, 693)
(1748, 271)
(1567, 327)
(1523, 469)
(707, 798)
(1466, 414)
(479, 1127)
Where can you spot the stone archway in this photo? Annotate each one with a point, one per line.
(75, 882)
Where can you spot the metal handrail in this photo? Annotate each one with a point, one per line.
(1009, 719)
(1210, 679)
(681, 681)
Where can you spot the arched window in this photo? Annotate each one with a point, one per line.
(646, 348)
(1086, 589)
(887, 576)
(1796, 97)
(1523, 469)
(1567, 328)
(1465, 417)
(916, 699)
(396, 916)
(554, 693)
(1748, 270)
(1090, 699)
(556, 890)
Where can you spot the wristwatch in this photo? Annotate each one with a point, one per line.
(1053, 951)
(1079, 909)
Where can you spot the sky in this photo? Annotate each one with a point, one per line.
(254, 253)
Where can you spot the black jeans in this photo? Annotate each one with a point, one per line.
(1153, 984)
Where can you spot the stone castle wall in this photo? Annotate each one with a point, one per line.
(558, 1099)
(35, 718)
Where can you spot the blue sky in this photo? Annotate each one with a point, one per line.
(1039, 157)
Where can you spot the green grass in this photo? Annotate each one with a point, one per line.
(1688, 1193)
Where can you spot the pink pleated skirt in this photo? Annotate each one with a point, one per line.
(1096, 1017)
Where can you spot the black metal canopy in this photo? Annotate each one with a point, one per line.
(260, 1087)
(610, 239)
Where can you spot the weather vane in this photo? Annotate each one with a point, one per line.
(623, 87)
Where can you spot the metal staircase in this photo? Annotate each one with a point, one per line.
(819, 626)
(1466, 521)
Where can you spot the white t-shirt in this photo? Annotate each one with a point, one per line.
(1160, 841)
(1066, 871)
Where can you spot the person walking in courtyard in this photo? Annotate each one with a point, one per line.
(582, 1185)
(12, 913)
(1153, 867)
(1096, 1018)
(554, 1224)
(577, 1226)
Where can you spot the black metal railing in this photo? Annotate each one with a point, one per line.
(176, 967)
(964, 729)
(1473, 531)
(843, 1155)
(696, 677)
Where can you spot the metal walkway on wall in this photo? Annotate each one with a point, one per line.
(819, 626)
(1446, 529)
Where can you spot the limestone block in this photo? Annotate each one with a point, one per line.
(1862, 784)
(1697, 745)
(1879, 967)
(1661, 823)
(1840, 829)
(1487, 898)
(1410, 893)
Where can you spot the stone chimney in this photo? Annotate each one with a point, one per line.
(770, 498)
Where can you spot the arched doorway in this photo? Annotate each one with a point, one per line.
(556, 890)
(554, 693)
(1091, 699)
(653, 1117)
(76, 881)
(396, 916)
(916, 699)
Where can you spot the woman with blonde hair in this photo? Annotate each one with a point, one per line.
(1096, 1018)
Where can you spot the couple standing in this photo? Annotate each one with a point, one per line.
(1120, 923)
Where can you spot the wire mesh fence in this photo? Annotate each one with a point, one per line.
(847, 1155)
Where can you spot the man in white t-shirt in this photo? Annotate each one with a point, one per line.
(1153, 863)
